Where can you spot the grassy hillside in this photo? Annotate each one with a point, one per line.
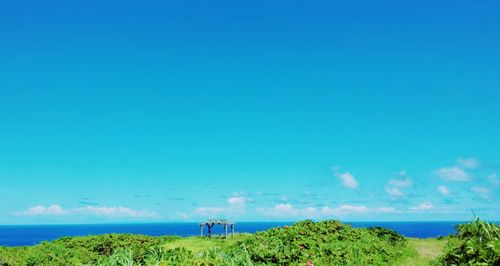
(427, 250)
(322, 243)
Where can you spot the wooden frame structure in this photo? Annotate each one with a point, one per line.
(211, 222)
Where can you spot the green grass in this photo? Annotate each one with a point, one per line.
(199, 244)
(323, 243)
(426, 250)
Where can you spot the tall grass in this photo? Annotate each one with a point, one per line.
(476, 243)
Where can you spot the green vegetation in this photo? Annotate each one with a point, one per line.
(426, 249)
(477, 243)
(325, 243)
(322, 243)
(81, 250)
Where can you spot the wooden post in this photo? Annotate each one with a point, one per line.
(212, 222)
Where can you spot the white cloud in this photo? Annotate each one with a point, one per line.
(345, 209)
(328, 211)
(385, 209)
(468, 163)
(423, 206)
(452, 174)
(237, 204)
(288, 210)
(238, 193)
(284, 209)
(183, 215)
(347, 180)
(394, 192)
(115, 212)
(208, 211)
(309, 211)
(444, 190)
(109, 212)
(481, 191)
(236, 201)
(401, 182)
(394, 189)
(354, 209)
(39, 210)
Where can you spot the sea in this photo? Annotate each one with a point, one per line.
(25, 235)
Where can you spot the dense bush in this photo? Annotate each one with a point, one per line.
(80, 250)
(323, 243)
(387, 234)
(476, 243)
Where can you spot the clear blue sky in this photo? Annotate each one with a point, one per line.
(118, 111)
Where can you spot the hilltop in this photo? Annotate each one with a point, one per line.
(321, 243)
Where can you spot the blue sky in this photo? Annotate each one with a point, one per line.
(155, 111)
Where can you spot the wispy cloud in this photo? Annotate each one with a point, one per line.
(346, 178)
(406, 182)
(453, 174)
(108, 212)
(39, 210)
(236, 201)
(423, 206)
(394, 192)
(288, 210)
(237, 204)
(345, 209)
(208, 211)
(458, 172)
(385, 209)
(444, 190)
(115, 212)
(395, 186)
(481, 191)
(468, 163)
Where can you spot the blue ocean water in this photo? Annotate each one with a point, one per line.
(22, 235)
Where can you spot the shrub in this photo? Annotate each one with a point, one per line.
(82, 250)
(476, 243)
(387, 234)
(324, 243)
